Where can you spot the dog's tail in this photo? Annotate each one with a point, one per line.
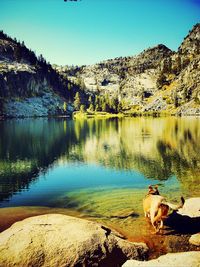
(173, 206)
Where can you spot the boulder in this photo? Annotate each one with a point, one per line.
(189, 259)
(195, 239)
(60, 240)
(191, 207)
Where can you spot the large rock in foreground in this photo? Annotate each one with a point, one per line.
(60, 240)
(187, 259)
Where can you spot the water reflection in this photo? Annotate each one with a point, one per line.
(158, 148)
(27, 148)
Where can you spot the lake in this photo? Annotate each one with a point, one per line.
(96, 168)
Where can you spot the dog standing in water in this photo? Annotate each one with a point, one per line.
(156, 208)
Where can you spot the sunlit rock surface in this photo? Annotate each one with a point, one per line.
(195, 239)
(156, 80)
(189, 259)
(60, 240)
(191, 207)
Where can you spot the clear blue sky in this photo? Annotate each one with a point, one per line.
(89, 31)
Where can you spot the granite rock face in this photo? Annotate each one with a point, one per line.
(48, 104)
(157, 79)
(25, 78)
(189, 259)
(60, 240)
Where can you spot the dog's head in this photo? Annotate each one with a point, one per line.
(153, 190)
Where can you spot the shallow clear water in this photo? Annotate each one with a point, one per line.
(100, 168)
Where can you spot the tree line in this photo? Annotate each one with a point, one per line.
(95, 103)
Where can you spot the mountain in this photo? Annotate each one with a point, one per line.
(157, 79)
(29, 86)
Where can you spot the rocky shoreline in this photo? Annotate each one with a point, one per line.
(61, 240)
(49, 104)
(22, 110)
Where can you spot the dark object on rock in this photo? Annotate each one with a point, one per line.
(108, 231)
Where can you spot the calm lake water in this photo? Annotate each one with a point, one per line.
(98, 168)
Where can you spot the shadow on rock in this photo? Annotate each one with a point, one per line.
(183, 224)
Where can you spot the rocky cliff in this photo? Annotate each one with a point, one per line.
(158, 79)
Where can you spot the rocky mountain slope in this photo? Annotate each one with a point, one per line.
(29, 86)
(158, 79)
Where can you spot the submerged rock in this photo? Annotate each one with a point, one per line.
(189, 259)
(60, 240)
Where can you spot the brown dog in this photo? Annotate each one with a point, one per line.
(156, 208)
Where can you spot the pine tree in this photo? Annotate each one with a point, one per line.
(65, 106)
(90, 99)
(96, 100)
(82, 108)
(77, 101)
(97, 108)
(105, 107)
(91, 107)
(101, 100)
(119, 107)
(18, 54)
(69, 86)
(114, 104)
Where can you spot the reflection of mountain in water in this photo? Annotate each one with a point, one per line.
(157, 147)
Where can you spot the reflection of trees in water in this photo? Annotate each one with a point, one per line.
(157, 148)
(184, 157)
(29, 147)
(151, 168)
(12, 182)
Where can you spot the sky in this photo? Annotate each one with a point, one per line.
(89, 31)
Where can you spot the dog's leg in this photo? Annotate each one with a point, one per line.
(161, 224)
(152, 218)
